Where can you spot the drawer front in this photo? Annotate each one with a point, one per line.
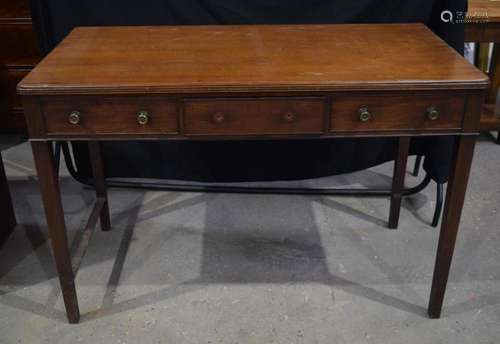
(254, 116)
(386, 113)
(112, 116)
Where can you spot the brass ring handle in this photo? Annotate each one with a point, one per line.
(143, 117)
(289, 116)
(74, 117)
(364, 114)
(432, 113)
(218, 117)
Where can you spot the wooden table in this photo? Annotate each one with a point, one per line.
(483, 27)
(251, 82)
(483, 24)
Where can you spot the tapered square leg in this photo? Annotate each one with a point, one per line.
(398, 180)
(49, 187)
(100, 182)
(455, 195)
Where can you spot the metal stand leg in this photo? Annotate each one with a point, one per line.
(439, 204)
(57, 156)
(398, 181)
(416, 168)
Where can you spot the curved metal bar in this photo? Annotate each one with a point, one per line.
(57, 155)
(209, 187)
(439, 205)
(70, 166)
(416, 189)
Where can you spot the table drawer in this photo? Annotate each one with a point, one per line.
(385, 113)
(110, 116)
(254, 116)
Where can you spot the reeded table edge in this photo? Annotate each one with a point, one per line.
(255, 88)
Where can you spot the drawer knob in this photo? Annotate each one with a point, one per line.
(74, 117)
(218, 117)
(432, 113)
(289, 116)
(143, 117)
(364, 114)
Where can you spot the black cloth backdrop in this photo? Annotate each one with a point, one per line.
(256, 160)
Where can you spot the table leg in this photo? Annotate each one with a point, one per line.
(100, 182)
(494, 73)
(398, 180)
(482, 56)
(8, 219)
(49, 187)
(455, 195)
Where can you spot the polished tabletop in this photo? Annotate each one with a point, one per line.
(162, 59)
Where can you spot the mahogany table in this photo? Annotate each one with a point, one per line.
(251, 82)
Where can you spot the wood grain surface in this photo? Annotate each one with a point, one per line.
(247, 58)
(254, 116)
(396, 112)
(109, 115)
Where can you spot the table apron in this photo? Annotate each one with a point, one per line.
(251, 117)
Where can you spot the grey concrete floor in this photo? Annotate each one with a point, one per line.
(207, 268)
